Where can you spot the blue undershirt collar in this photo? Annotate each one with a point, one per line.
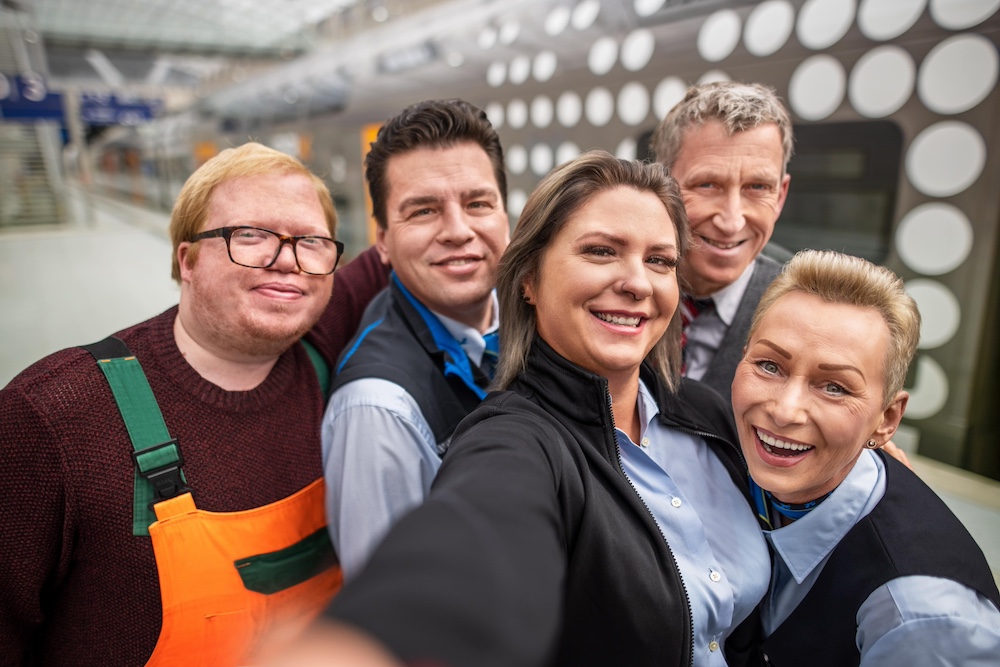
(456, 361)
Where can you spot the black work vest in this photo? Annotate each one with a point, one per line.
(910, 532)
(395, 343)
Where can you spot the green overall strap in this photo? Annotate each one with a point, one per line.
(321, 367)
(158, 461)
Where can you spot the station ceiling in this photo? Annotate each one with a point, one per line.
(156, 43)
(255, 59)
(196, 26)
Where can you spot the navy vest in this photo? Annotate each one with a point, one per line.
(910, 532)
(399, 340)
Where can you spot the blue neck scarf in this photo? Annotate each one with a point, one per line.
(764, 502)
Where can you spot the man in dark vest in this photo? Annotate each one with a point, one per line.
(728, 146)
(422, 357)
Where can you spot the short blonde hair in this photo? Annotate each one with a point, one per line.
(557, 197)
(839, 278)
(738, 106)
(250, 159)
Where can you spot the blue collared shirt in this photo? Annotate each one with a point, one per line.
(380, 455)
(707, 522)
(918, 620)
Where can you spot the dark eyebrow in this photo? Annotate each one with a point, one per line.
(423, 200)
(619, 240)
(481, 193)
(840, 367)
(604, 235)
(777, 348)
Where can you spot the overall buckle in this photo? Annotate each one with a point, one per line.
(162, 470)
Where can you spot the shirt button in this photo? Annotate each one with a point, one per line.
(715, 576)
(644, 442)
(713, 646)
(676, 502)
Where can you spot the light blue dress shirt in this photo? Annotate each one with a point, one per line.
(909, 621)
(380, 456)
(707, 522)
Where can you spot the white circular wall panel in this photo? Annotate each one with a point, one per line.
(962, 14)
(934, 238)
(822, 23)
(633, 103)
(719, 35)
(882, 20)
(945, 159)
(569, 109)
(817, 86)
(768, 27)
(600, 106)
(958, 74)
(881, 81)
(517, 159)
(940, 313)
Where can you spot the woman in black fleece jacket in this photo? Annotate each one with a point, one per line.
(552, 535)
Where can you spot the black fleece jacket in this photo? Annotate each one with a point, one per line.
(533, 547)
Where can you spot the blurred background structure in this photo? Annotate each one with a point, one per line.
(107, 106)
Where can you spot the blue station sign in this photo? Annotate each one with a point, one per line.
(112, 109)
(27, 98)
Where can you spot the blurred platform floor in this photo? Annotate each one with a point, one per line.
(109, 267)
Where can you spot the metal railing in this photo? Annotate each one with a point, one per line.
(31, 183)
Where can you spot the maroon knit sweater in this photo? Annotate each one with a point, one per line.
(76, 587)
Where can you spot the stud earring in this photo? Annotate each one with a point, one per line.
(871, 444)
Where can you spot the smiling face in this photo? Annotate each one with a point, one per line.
(239, 311)
(446, 229)
(733, 191)
(607, 283)
(808, 394)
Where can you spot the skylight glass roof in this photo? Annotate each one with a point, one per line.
(219, 25)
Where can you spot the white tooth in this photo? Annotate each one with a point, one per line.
(614, 319)
(781, 444)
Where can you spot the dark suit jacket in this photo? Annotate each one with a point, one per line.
(721, 370)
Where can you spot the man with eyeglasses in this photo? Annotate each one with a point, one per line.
(422, 357)
(163, 494)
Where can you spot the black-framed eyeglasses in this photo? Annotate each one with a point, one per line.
(259, 248)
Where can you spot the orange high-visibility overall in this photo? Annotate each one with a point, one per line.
(207, 560)
(231, 583)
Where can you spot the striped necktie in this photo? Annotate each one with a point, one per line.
(690, 307)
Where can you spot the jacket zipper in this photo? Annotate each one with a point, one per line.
(706, 435)
(621, 469)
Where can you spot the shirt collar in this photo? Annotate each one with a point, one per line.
(804, 544)
(727, 300)
(470, 338)
(648, 409)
